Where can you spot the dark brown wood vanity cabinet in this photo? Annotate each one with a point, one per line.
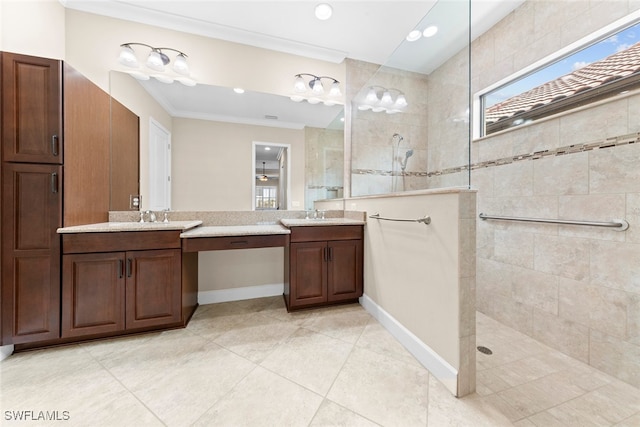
(108, 292)
(324, 266)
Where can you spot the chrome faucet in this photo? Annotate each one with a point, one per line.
(151, 215)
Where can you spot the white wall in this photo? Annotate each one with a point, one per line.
(33, 28)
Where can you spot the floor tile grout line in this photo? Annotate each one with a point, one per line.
(133, 394)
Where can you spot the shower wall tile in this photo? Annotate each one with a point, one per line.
(514, 248)
(529, 207)
(540, 136)
(567, 336)
(535, 288)
(514, 180)
(615, 170)
(615, 357)
(573, 301)
(608, 310)
(633, 216)
(633, 319)
(562, 256)
(494, 279)
(496, 147)
(615, 265)
(561, 175)
(596, 122)
(595, 207)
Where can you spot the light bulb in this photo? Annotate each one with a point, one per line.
(154, 61)
(335, 90)
(299, 85)
(386, 99)
(372, 96)
(180, 65)
(296, 98)
(317, 87)
(401, 101)
(128, 57)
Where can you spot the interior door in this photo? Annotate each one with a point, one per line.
(159, 167)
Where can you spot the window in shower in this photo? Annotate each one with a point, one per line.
(605, 66)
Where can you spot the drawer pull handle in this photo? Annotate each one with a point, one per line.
(240, 242)
(128, 267)
(120, 269)
(330, 254)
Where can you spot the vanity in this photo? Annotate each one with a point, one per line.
(125, 277)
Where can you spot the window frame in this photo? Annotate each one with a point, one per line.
(478, 127)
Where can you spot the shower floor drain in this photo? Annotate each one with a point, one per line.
(484, 350)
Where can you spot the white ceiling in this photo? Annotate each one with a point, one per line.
(364, 30)
(372, 31)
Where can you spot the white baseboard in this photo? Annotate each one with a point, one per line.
(238, 294)
(6, 351)
(440, 368)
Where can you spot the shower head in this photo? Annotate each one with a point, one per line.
(397, 135)
(403, 163)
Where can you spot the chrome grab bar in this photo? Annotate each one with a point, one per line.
(617, 224)
(426, 220)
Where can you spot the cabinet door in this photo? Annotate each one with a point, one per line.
(92, 294)
(345, 270)
(31, 213)
(31, 109)
(308, 276)
(153, 295)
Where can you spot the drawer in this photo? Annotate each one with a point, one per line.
(326, 232)
(195, 244)
(120, 241)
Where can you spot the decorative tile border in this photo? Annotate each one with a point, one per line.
(561, 151)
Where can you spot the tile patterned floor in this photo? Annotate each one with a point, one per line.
(250, 363)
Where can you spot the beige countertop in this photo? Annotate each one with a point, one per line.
(235, 230)
(108, 227)
(320, 222)
(194, 228)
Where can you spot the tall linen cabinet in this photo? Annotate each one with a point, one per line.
(55, 172)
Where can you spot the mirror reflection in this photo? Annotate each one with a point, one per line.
(216, 128)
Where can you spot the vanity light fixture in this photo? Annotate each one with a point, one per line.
(379, 99)
(157, 61)
(310, 88)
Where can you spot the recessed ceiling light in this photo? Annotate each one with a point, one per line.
(323, 11)
(238, 90)
(430, 31)
(267, 148)
(414, 35)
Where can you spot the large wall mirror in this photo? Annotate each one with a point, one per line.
(213, 132)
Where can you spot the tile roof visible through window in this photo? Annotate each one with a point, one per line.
(612, 68)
